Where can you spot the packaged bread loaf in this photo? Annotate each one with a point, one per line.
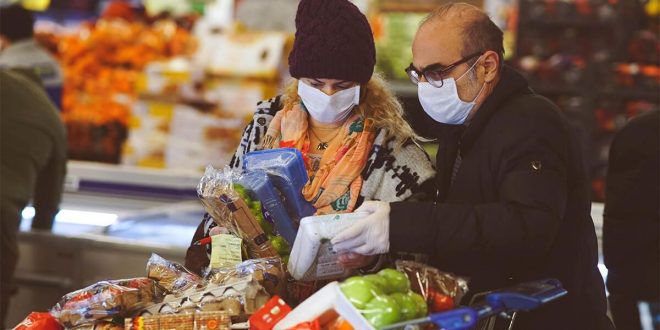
(105, 300)
(269, 272)
(171, 276)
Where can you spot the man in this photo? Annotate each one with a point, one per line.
(32, 165)
(632, 219)
(18, 49)
(512, 199)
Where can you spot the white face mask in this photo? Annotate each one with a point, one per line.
(443, 104)
(328, 109)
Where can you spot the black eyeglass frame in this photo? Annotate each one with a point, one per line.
(436, 68)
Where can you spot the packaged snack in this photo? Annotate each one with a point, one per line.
(38, 321)
(183, 321)
(312, 256)
(260, 188)
(104, 300)
(213, 184)
(171, 276)
(285, 166)
(239, 300)
(195, 320)
(212, 321)
(269, 272)
(442, 291)
(249, 229)
(147, 322)
(265, 218)
(226, 207)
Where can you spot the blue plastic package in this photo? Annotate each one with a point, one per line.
(258, 184)
(286, 168)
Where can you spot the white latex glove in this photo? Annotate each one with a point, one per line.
(369, 235)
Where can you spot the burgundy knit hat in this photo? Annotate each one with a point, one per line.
(333, 41)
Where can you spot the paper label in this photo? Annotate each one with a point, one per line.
(327, 264)
(225, 251)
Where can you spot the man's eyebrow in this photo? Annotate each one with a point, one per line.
(433, 66)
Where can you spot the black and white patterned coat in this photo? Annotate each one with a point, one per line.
(389, 175)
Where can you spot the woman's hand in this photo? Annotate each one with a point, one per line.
(352, 260)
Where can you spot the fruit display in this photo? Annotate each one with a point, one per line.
(102, 64)
(384, 298)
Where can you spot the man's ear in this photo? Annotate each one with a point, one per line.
(491, 65)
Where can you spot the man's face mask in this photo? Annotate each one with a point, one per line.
(443, 104)
(328, 109)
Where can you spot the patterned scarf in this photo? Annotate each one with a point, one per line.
(335, 187)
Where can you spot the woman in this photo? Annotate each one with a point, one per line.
(347, 124)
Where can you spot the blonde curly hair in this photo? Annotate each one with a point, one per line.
(378, 103)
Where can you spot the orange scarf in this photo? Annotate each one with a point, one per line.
(335, 187)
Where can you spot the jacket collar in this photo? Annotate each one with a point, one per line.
(511, 83)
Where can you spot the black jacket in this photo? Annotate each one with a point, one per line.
(518, 208)
(632, 212)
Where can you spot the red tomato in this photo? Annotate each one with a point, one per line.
(439, 302)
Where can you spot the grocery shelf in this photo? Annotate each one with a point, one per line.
(130, 180)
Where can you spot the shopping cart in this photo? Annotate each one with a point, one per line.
(487, 307)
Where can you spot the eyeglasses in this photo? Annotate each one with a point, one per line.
(435, 73)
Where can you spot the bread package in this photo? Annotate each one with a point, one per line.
(105, 300)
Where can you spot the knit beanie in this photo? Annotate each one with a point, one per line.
(333, 41)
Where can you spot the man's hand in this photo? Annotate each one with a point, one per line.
(369, 235)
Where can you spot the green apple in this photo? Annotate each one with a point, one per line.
(382, 311)
(378, 281)
(420, 302)
(396, 281)
(407, 306)
(360, 291)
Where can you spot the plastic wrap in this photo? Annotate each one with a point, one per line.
(106, 299)
(285, 166)
(222, 201)
(214, 184)
(240, 300)
(442, 291)
(269, 272)
(100, 325)
(384, 298)
(312, 256)
(260, 187)
(171, 276)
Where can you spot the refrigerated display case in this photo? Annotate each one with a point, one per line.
(111, 220)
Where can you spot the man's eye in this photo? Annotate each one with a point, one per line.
(434, 75)
(317, 85)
